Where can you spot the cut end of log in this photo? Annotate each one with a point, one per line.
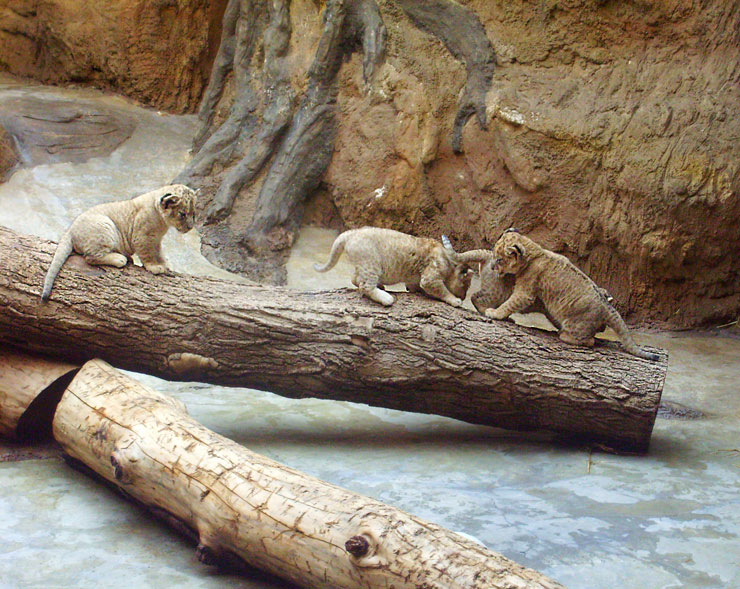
(30, 389)
(357, 546)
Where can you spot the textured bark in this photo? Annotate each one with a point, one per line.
(28, 386)
(306, 151)
(275, 119)
(418, 355)
(276, 518)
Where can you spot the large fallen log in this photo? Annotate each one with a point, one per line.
(418, 355)
(273, 517)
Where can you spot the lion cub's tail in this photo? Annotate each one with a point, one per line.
(474, 257)
(615, 321)
(64, 249)
(336, 250)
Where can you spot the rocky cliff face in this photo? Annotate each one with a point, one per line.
(612, 137)
(611, 129)
(157, 51)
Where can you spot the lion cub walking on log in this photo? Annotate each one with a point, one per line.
(384, 257)
(578, 307)
(109, 234)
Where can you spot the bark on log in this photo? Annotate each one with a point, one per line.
(418, 355)
(28, 385)
(276, 518)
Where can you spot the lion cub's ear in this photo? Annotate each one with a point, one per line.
(169, 200)
(516, 251)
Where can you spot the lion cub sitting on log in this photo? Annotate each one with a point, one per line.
(384, 257)
(576, 305)
(109, 234)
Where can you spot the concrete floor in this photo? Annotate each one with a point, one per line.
(590, 520)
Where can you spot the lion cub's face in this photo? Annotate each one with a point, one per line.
(510, 253)
(458, 282)
(178, 207)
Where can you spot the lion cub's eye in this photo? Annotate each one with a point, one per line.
(182, 215)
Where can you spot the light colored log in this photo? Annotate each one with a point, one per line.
(23, 378)
(274, 517)
(418, 355)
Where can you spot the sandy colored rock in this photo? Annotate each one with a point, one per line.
(8, 154)
(610, 139)
(52, 131)
(159, 52)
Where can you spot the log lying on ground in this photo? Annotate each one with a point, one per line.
(418, 355)
(275, 518)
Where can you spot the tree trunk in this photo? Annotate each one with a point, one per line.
(418, 355)
(273, 517)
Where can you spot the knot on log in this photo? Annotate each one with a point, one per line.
(357, 546)
(190, 364)
(117, 468)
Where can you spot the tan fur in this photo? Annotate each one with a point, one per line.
(383, 256)
(496, 288)
(575, 304)
(111, 233)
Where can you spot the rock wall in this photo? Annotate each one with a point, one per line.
(612, 128)
(156, 51)
(8, 154)
(612, 137)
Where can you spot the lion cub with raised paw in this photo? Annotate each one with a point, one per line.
(384, 256)
(496, 288)
(109, 234)
(576, 305)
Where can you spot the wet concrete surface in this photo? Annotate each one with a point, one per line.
(586, 518)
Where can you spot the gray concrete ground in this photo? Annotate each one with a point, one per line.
(588, 519)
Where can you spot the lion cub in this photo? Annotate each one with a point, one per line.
(576, 305)
(384, 256)
(109, 234)
(496, 288)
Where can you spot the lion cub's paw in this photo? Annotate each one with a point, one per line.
(384, 298)
(454, 301)
(494, 314)
(158, 269)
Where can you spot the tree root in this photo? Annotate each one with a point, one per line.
(464, 36)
